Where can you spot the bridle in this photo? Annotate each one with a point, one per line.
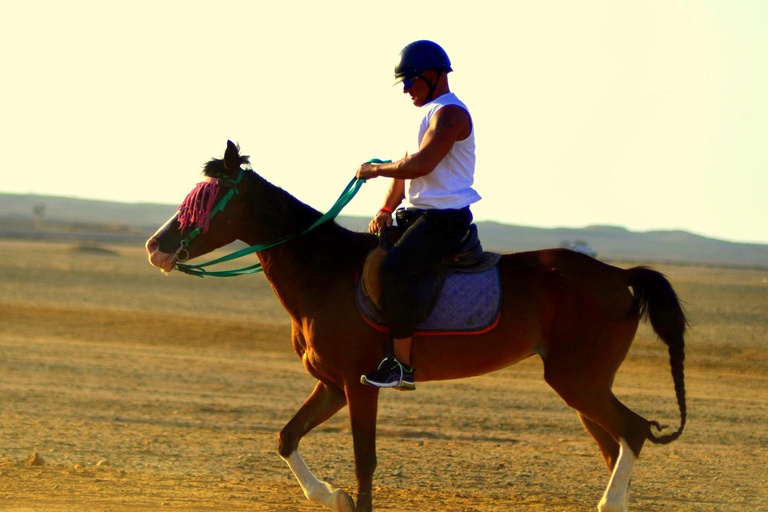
(182, 254)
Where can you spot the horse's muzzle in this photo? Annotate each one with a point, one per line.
(159, 259)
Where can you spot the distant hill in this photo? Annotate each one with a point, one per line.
(15, 207)
(620, 244)
(108, 222)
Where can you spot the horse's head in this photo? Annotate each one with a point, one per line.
(210, 217)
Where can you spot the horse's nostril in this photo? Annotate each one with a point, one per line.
(152, 245)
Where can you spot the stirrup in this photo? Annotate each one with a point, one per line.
(390, 374)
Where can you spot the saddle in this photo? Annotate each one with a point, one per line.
(463, 294)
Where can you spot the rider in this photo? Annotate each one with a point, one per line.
(437, 183)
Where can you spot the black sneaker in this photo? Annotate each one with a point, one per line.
(391, 374)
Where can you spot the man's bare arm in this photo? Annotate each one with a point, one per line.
(449, 125)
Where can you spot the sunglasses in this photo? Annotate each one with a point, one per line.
(408, 82)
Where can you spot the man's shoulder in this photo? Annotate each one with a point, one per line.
(449, 106)
(447, 111)
(453, 118)
(452, 111)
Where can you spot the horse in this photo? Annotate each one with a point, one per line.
(579, 315)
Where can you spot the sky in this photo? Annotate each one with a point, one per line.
(646, 115)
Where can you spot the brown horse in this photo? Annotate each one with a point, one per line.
(574, 312)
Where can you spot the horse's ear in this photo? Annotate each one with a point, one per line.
(232, 157)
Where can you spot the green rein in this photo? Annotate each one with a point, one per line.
(200, 270)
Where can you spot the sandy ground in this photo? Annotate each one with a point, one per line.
(131, 404)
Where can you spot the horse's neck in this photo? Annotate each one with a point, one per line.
(305, 270)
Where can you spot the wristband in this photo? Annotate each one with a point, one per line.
(385, 209)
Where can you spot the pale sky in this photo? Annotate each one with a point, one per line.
(647, 115)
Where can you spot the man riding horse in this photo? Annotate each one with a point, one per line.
(437, 183)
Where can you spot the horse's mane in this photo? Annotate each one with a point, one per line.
(328, 247)
(215, 166)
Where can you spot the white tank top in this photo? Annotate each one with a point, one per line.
(450, 184)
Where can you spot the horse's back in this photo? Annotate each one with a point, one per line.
(569, 274)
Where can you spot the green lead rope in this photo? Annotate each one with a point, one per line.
(341, 202)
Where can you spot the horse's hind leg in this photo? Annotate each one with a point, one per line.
(591, 396)
(608, 445)
(616, 496)
(324, 402)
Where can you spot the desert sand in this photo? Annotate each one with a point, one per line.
(124, 390)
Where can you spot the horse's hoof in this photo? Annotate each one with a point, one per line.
(342, 502)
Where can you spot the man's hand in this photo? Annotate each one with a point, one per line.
(366, 171)
(383, 219)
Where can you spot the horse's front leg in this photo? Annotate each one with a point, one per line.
(363, 405)
(324, 402)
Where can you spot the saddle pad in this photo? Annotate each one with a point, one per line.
(468, 304)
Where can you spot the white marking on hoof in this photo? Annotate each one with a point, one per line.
(316, 490)
(616, 497)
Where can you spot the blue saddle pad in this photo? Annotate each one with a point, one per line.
(468, 302)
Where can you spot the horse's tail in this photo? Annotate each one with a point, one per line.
(657, 301)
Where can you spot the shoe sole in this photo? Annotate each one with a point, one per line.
(367, 382)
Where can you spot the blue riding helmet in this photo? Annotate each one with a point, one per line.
(418, 57)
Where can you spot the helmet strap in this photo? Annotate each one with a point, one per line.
(433, 86)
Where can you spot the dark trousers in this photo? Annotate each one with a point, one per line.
(430, 235)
